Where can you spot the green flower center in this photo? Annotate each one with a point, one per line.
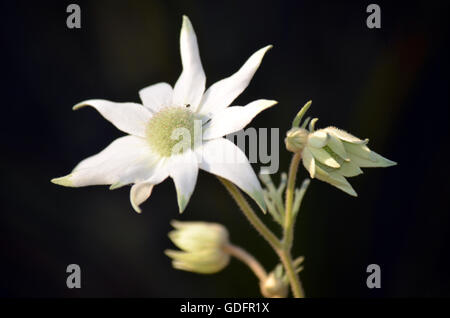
(171, 131)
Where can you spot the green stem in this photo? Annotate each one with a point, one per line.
(247, 259)
(289, 222)
(296, 285)
(283, 249)
(290, 190)
(251, 215)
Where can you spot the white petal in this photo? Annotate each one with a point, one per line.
(343, 135)
(359, 150)
(184, 170)
(139, 193)
(224, 92)
(191, 84)
(381, 161)
(223, 158)
(232, 119)
(374, 161)
(156, 97)
(128, 117)
(337, 146)
(160, 171)
(309, 162)
(335, 179)
(126, 160)
(364, 157)
(324, 157)
(318, 139)
(349, 169)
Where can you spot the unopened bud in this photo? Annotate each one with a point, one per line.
(202, 247)
(296, 139)
(274, 286)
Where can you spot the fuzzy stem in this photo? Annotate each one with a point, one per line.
(248, 259)
(251, 215)
(296, 285)
(289, 222)
(290, 190)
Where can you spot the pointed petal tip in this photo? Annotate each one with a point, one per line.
(381, 161)
(385, 163)
(349, 190)
(175, 224)
(264, 50)
(169, 253)
(115, 186)
(79, 105)
(390, 163)
(136, 208)
(182, 203)
(63, 181)
(267, 103)
(261, 52)
(258, 196)
(186, 22)
(263, 207)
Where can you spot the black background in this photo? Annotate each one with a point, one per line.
(390, 85)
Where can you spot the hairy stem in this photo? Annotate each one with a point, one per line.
(248, 259)
(290, 190)
(296, 285)
(283, 249)
(289, 222)
(251, 215)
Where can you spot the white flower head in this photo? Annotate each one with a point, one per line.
(176, 132)
(202, 247)
(331, 154)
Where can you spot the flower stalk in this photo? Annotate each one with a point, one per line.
(281, 248)
(247, 259)
(285, 256)
(251, 215)
(290, 190)
(288, 263)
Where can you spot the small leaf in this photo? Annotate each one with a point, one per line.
(300, 114)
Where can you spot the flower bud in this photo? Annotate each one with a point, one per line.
(275, 286)
(296, 139)
(332, 154)
(202, 247)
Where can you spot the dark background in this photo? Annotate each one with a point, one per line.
(390, 85)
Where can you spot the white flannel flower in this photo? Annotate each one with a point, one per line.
(152, 150)
(202, 247)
